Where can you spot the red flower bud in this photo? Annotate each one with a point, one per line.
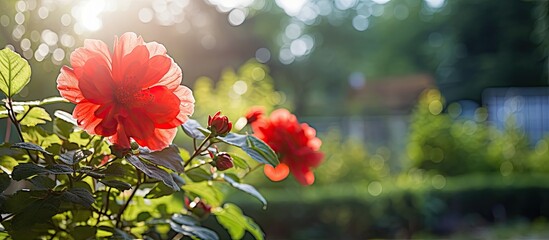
(219, 125)
(254, 114)
(198, 207)
(223, 161)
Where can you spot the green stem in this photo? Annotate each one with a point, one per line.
(8, 131)
(13, 118)
(121, 212)
(198, 150)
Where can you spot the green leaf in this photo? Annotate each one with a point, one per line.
(65, 116)
(159, 190)
(122, 186)
(42, 102)
(33, 215)
(40, 136)
(25, 170)
(191, 128)
(236, 223)
(260, 151)
(5, 181)
(79, 196)
(41, 182)
(249, 189)
(207, 192)
(235, 139)
(239, 162)
(30, 146)
(117, 233)
(84, 232)
(62, 128)
(168, 157)
(15, 72)
(185, 220)
(198, 175)
(143, 216)
(74, 156)
(60, 169)
(153, 171)
(253, 146)
(33, 116)
(194, 231)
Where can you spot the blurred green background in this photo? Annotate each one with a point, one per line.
(433, 113)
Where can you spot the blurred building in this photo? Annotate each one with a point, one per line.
(524, 108)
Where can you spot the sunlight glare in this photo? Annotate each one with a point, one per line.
(88, 13)
(291, 7)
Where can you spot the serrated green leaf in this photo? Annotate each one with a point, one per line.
(236, 223)
(249, 189)
(153, 171)
(191, 128)
(194, 231)
(35, 116)
(15, 72)
(168, 157)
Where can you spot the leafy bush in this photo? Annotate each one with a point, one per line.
(62, 182)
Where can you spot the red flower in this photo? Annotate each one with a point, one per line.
(254, 114)
(219, 124)
(296, 143)
(133, 92)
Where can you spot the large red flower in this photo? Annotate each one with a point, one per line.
(296, 143)
(133, 92)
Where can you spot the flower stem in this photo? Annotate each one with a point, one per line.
(198, 150)
(121, 212)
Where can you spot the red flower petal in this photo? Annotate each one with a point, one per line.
(92, 49)
(84, 114)
(160, 139)
(278, 173)
(164, 106)
(67, 83)
(157, 68)
(96, 83)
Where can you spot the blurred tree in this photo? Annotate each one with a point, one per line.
(466, 45)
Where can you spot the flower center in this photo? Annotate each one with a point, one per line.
(132, 97)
